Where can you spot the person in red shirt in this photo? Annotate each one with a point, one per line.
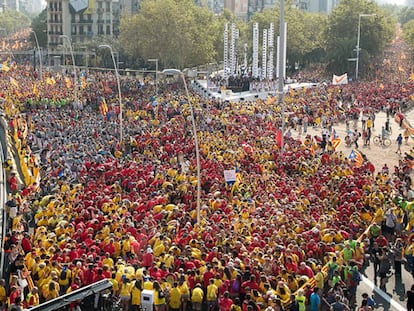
(382, 241)
(13, 182)
(250, 284)
(225, 302)
(148, 258)
(88, 275)
(304, 269)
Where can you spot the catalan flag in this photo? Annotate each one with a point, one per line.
(68, 82)
(4, 67)
(50, 81)
(103, 107)
(336, 142)
(35, 91)
(14, 82)
(356, 157)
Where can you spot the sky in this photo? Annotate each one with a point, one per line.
(397, 2)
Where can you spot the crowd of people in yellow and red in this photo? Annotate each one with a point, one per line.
(288, 233)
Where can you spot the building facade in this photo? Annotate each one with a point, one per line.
(81, 20)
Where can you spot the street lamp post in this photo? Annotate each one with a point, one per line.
(119, 90)
(156, 73)
(181, 74)
(281, 73)
(75, 81)
(40, 53)
(358, 41)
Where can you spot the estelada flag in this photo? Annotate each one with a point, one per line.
(356, 157)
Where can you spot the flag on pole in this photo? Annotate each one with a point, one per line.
(103, 107)
(356, 157)
(35, 91)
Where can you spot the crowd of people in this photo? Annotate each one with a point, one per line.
(290, 232)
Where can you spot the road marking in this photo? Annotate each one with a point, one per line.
(384, 295)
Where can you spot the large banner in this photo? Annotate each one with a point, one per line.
(343, 79)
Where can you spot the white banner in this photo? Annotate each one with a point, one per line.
(337, 80)
(229, 175)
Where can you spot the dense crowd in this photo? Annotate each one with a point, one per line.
(288, 233)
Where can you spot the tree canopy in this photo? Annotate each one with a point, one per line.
(12, 21)
(176, 32)
(39, 26)
(342, 31)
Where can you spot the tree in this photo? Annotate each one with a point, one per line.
(39, 26)
(376, 32)
(12, 21)
(305, 40)
(408, 32)
(176, 32)
(405, 15)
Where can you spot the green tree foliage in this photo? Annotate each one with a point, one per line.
(12, 21)
(408, 32)
(305, 39)
(176, 32)
(341, 33)
(405, 15)
(39, 26)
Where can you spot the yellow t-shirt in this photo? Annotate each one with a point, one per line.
(212, 291)
(175, 298)
(157, 299)
(125, 290)
(135, 295)
(197, 295)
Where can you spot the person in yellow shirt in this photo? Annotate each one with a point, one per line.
(52, 291)
(3, 294)
(197, 297)
(185, 293)
(212, 295)
(115, 285)
(136, 291)
(175, 298)
(65, 277)
(319, 277)
(159, 297)
(32, 299)
(125, 293)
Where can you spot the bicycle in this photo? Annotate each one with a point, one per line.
(379, 140)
